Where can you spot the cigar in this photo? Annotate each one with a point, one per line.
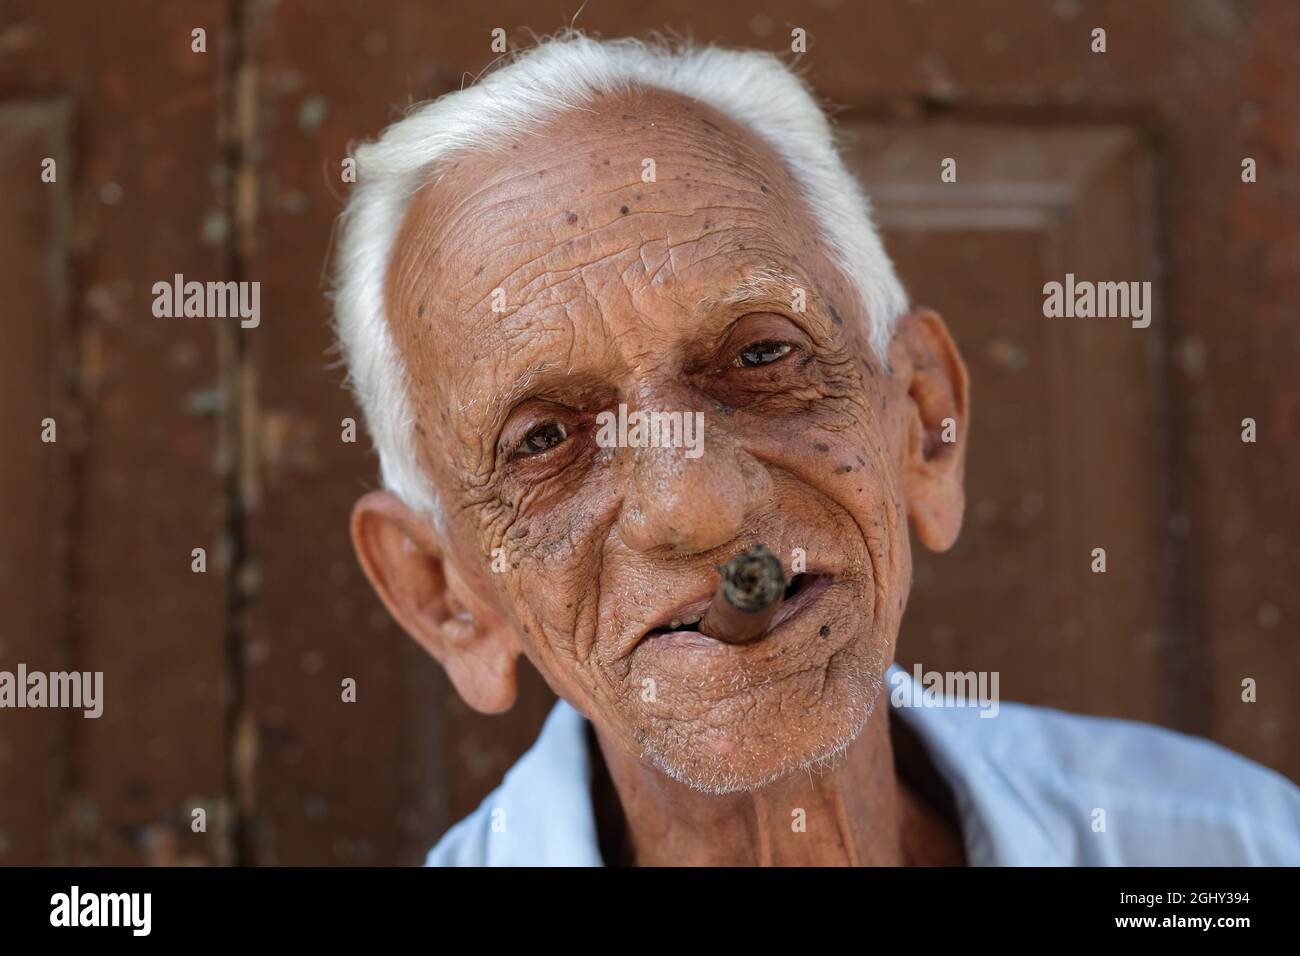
(750, 593)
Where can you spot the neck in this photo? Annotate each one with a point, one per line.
(858, 813)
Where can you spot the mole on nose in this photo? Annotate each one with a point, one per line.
(749, 595)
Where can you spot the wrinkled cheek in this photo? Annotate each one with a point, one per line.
(861, 480)
(546, 614)
(892, 560)
(555, 609)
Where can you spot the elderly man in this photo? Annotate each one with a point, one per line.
(602, 229)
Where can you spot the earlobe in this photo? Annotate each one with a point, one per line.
(934, 453)
(403, 558)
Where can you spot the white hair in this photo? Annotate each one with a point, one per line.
(562, 73)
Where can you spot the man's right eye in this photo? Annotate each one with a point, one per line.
(541, 438)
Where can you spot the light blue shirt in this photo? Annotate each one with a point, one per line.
(1028, 786)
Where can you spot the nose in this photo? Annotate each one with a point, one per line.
(690, 504)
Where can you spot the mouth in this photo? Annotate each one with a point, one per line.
(802, 590)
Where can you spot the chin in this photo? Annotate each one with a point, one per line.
(749, 742)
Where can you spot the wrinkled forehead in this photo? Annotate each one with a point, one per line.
(610, 221)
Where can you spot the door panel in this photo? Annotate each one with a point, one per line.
(33, 472)
(1064, 456)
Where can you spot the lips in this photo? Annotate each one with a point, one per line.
(684, 619)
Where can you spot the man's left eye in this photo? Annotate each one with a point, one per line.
(541, 438)
(762, 353)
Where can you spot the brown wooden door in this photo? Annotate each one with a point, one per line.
(95, 550)
(223, 688)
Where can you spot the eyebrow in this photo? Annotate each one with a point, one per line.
(523, 385)
(764, 284)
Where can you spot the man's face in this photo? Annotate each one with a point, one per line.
(680, 294)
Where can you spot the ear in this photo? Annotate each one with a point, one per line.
(404, 556)
(928, 369)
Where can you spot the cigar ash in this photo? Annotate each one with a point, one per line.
(753, 581)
